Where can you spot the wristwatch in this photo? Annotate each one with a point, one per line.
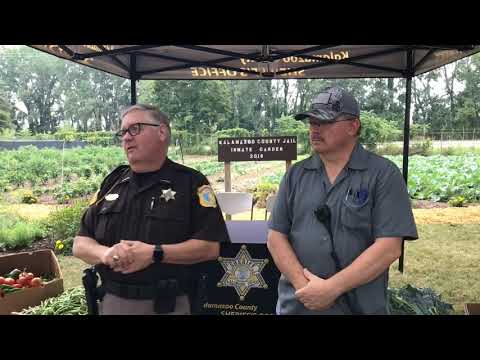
(158, 254)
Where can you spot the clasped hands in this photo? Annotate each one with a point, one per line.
(128, 256)
(319, 294)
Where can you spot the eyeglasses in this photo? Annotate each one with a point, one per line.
(133, 130)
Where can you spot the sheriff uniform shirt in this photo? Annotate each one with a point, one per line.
(168, 206)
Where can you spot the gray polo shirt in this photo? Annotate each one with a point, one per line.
(368, 200)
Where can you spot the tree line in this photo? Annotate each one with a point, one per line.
(61, 94)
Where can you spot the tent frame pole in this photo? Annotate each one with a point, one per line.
(406, 136)
(133, 79)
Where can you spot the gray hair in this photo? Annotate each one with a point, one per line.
(154, 113)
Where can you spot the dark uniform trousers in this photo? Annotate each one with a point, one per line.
(115, 305)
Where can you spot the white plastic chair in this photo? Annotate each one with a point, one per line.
(235, 202)
(270, 202)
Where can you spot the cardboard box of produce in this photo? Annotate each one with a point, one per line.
(472, 309)
(42, 263)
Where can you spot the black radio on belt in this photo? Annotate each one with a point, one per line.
(167, 291)
(165, 296)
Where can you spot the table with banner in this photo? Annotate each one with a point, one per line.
(243, 280)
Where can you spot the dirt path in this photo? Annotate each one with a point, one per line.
(450, 215)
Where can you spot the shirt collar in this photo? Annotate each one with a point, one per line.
(162, 176)
(313, 163)
(358, 160)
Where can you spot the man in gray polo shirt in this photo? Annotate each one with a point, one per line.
(339, 218)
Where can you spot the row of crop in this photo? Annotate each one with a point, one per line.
(435, 178)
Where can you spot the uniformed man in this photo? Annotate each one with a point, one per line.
(339, 219)
(151, 220)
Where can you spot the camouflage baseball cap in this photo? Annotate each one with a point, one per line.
(329, 104)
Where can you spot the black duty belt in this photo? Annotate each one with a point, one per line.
(168, 286)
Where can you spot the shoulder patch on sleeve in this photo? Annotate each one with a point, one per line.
(206, 196)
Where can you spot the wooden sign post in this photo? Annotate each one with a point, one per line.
(288, 164)
(228, 182)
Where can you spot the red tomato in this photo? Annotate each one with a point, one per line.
(9, 281)
(29, 276)
(36, 282)
(22, 280)
(18, 286)
(2, 280)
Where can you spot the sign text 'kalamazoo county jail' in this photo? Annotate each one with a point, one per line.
(257, 148)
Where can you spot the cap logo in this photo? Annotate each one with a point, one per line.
(323, 98)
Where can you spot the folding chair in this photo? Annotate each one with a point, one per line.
(235, 202)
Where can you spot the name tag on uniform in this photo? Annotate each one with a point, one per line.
(111, 197)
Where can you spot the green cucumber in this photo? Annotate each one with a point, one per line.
(14, 274)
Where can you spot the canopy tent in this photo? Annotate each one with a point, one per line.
(243, 62)
(154, 62)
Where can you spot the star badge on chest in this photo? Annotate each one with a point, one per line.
(168, 195)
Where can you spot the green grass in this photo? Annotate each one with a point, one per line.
(16, 232)
(446, 258)
(20, 235)
(455, 151)
(72, 270)
(28, 211)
